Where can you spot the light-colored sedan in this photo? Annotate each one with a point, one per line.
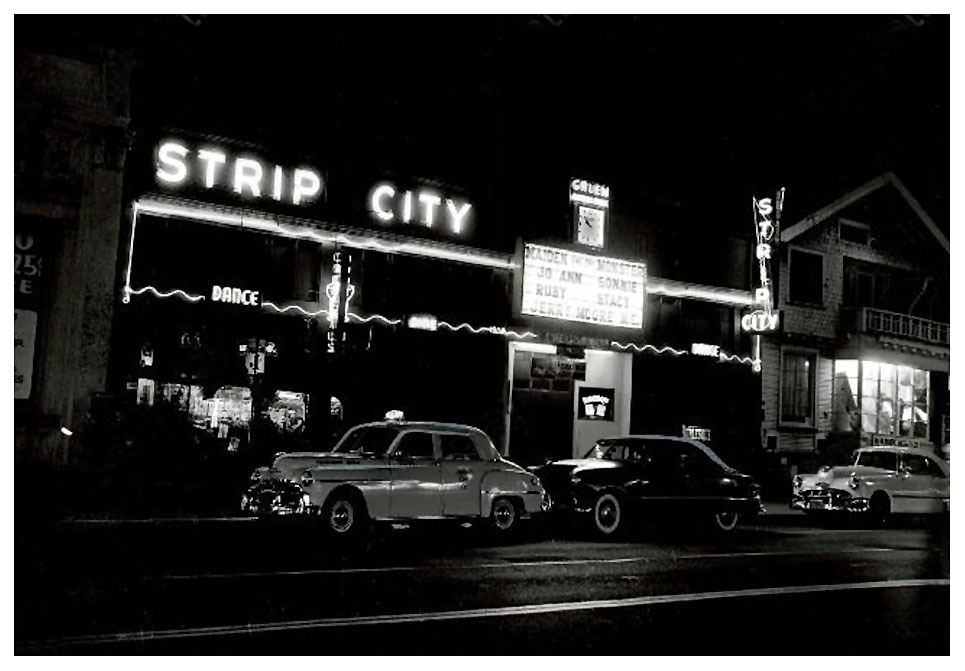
(403, 471)
(880, 482)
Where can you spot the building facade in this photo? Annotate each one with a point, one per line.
(273, 311)
(71, 139)
(861, 356)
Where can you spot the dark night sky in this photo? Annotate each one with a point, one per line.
(685, 117)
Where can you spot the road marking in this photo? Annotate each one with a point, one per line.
(506, 611)
(509, 564)
(154, 520)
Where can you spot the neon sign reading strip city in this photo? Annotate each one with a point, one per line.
(245, 175)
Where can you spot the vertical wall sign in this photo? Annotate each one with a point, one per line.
(29, 254)
(767, 222)
(591, 202)
(333, 291)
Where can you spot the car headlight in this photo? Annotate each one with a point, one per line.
(798, 481)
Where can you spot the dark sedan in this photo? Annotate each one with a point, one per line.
(637, 479)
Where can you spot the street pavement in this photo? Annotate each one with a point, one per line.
(782, 585)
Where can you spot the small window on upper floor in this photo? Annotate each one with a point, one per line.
(852, 231)
(806, 277)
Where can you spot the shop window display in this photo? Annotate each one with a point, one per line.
(845, 395)
(893, 399)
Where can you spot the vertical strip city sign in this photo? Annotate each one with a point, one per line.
(767, 222)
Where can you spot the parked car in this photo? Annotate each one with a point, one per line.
(626, 480)
(881, 481)
(398, 470)
(275, 489)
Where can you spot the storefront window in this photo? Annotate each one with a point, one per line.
(869, 396)
(845, 394)
(797, 388)
(894, 400)
(287, 411)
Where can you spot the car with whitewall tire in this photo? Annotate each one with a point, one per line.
(400, 471)
(879, 483)
(627, 481)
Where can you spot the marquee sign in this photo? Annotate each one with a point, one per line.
(767, 222)
(562, 284)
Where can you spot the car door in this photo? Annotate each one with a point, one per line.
(665, 491)
(702, 480)
(462, 473)
(914, 490)
(416, 489)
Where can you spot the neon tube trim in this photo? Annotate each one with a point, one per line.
(366, 320)
(299, 308)
(270, 225)
(165, 294)
(495, 330)
(729, 297)
(638, 348)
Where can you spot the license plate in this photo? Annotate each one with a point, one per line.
(817, 505)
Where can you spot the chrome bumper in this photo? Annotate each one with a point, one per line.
(829, 501)
(274, 499)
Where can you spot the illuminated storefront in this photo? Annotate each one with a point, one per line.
(273, 315)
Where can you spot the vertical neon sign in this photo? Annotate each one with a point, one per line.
(333, 290)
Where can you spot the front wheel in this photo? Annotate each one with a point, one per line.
(608, 515)
(504, 516)
(345, 516)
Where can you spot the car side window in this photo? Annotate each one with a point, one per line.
(692, 461)
(914, 464)
(919, 465)
(457, 447)
(934, 469)
(637, 455)
(415, 445)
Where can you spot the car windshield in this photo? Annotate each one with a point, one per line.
(605, 450)
(367, 441)
(886, 460)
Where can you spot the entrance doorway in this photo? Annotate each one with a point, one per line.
(541, 410)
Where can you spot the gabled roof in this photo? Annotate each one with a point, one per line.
(852, 197)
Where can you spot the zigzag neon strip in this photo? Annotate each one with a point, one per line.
(497, 330)
(366, 320)
(165, 294)
(739, 359)
(299, 308)
(661, 350)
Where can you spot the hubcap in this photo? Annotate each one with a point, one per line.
(504, 514)
(342, 516)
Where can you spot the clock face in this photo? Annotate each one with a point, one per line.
(590, 226)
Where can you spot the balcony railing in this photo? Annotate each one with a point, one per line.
(872, 320)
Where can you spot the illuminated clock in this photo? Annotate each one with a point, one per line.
(591, 226)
